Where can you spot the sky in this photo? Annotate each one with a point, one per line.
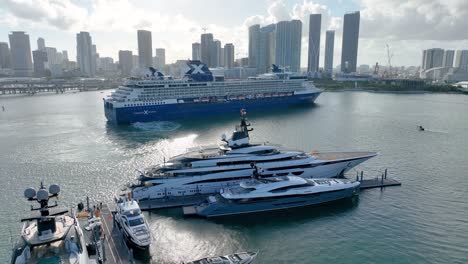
(407, 26)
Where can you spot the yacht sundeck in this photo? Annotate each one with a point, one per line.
(52, 236)
(206, 170)
(268, 194)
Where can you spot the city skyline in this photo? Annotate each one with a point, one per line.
(178, 28)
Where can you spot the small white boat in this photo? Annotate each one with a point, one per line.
(236, 258)
(132, 223)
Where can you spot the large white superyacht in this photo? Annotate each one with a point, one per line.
(206, 170)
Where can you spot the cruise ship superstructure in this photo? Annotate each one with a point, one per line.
(207, 170)
(156, 97)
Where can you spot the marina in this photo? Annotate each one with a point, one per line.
(99, 161)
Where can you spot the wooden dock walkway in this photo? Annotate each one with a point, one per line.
(113, 249)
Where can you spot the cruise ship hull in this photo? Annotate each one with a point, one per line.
(225, 208)
(166, 112)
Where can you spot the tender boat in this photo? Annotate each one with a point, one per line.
(275, 193)
(236, 258)
(52, 236)
(131, 221)
(206, 170)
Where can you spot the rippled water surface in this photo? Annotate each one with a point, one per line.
(65, 139)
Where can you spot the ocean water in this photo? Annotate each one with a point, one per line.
(65, 139)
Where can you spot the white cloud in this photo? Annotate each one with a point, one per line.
(407, 25)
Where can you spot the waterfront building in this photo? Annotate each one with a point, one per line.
(461, 59)
(205, 48)
(432, 58)
(125, 62)
(329, 49)
(448, 58)
(349, 47)
(254, 42)
(145, 49)
(315, 22)
(40, 60)
(21, 59)
(228, 56)
(160, 58)
(5, 60)
(85, 56)
(196, 52)
(288, 45)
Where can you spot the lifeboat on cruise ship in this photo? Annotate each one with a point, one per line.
(205, 99)
(267, 95)
(232, 97)
(241, 97)
(259, 95)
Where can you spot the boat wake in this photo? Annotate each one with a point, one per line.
(160, 126)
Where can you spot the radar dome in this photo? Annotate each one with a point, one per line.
(54, 189)
(29, 193)
(42, 195)
(223, 136)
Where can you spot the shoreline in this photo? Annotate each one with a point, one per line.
(391, 91)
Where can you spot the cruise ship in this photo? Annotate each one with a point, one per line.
(206, 170)
(156, 97)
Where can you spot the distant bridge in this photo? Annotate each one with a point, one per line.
(31, 86)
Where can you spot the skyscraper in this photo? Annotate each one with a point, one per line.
(215, 53)
(125, 62)
(447, 61)
(315, 23)
(161, 57)
(205, 48)
(266, 48)
(254, 41)
(196, 51)
(40, 59)
(432, 58)
(288, 45)
(145, 49)
(461, 59)
(5, 60)
(229, 55)
(40, 44)
(52, 57)
(349, 47)
(329, 49)
(21, 59)
(65, 55)
(221, 56)
(84, 54)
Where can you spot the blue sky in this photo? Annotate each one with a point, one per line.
(408, 26)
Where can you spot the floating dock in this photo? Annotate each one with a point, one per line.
(377, 182)
(112, 248)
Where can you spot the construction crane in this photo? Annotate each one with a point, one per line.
(389, 60)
